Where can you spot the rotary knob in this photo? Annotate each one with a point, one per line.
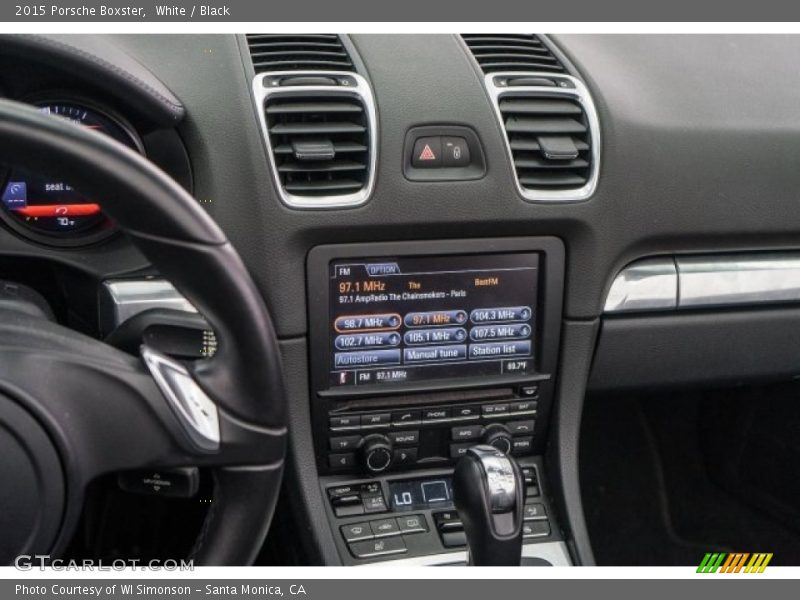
(376, 453)
(498, 436)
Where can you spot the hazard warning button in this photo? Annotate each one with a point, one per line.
(427, 152)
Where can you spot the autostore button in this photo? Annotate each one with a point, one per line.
(444, 335)
(367, 358)
(435, 317)
(367, 322)
(352, 341)
(434, 353)
(483, 351)
(501, 314)
(499, 332)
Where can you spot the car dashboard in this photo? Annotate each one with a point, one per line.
(460, 238)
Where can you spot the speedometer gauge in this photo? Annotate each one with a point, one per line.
(50, 210)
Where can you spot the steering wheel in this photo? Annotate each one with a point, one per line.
(73, 408)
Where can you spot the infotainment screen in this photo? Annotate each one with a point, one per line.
(411, 318)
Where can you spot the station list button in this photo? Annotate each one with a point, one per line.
(499, 349)
(445, 335)
(501, 314)
(481, 333)
(367, 358)
(377, 322)
(352, 341)
(434, 354)
(435, 318)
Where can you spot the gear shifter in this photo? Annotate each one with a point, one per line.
(489, 494)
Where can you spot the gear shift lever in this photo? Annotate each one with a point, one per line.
(489, 494)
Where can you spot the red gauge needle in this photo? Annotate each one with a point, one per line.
(59, 210)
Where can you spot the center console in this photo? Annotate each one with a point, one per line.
(419, 351)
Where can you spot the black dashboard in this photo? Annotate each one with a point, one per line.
(443, 228)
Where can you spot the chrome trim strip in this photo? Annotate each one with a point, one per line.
(553, 552)
(194, 409)
(580, 93)
(129, 297)
(738, 279)
(361, 90)
(649, 284)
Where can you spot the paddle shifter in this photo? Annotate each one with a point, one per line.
(489, 493)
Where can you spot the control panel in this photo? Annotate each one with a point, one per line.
(403, 437)
(394, 517)
(421, 349)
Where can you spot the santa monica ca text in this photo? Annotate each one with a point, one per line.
(142, 589)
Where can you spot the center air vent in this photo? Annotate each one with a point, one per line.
(320, 143)
(549, 139)
(511, 52)
(275, 52)
(548, 116)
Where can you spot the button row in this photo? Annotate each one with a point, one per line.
(433, 416)
(382, 537)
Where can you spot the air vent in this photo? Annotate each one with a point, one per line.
(274, 52)
(320, 144)
(512, 52)
(550, 140)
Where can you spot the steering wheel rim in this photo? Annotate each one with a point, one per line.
(243, 381)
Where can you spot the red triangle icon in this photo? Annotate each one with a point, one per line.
(427, 153)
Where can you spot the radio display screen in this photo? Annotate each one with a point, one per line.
(419, 318)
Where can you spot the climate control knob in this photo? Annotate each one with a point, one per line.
(376, 453)
(498, 436)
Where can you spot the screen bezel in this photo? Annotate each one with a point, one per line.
(549, 300)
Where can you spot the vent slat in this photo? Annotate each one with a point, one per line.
(297, 55)
(269, 45)
(321, 167)
(338, 148)
(300, 65)
(529, 144)
(255, 37)
(489, 47)
(314, 107)
(552, 180)
(301, 52)
(337, 126)
(536, 163)
(316, 128)
(539, 106)
(512, 52)
(535, 125)
(330, 187)
(484, 57)
(519, 65)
